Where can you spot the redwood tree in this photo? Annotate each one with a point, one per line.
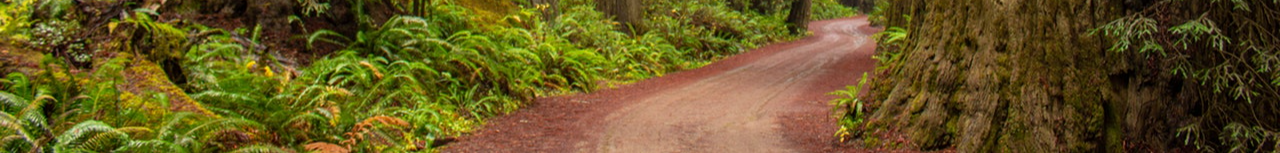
(627, 12)
(799, 17)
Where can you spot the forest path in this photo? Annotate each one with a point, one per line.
(771, 99)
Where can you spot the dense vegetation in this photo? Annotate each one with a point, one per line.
(1071, 76)
(328, 75)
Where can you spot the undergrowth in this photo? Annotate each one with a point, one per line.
(430, 72)
(1226, 50)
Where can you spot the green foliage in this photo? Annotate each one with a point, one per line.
(156, 40)
(431, 70)
(1223, 49)
(15, 18)
(313, 7)
(91, 135)
(896, 37)
(1138, 29)
(830, 9)
(849, 110)
(709, 29)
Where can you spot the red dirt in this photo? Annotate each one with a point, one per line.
(772, 99)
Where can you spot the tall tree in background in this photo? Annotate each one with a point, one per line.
(863, 6)
(627, 12)
(799, 16)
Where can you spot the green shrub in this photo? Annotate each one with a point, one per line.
(15, 18)
(830, 9)
(430, 71)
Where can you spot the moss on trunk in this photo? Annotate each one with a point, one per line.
(1007, 76)
(1079, 76)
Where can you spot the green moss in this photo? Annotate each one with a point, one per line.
(143, 77)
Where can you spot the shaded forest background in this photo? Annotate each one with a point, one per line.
(1071, 76)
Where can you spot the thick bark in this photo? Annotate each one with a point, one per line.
(799, 16)
(627, 12)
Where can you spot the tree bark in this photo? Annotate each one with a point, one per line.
(627, 12)
(799, 16)
(761, 6)
(851, 3)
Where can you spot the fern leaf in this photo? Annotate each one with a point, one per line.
(76, 134)
(209, 128)
(10, 101)
(324, 147)
(151, 146)
(323, 35)
(259, 148)
(105, 141)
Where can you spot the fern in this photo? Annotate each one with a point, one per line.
(323, 36)
(15, 18)
(260, 148)
(11, 102)
(210, 128)
(15, 135)
(167, 40)
(849, 110)
(153, 146)
(92, 135)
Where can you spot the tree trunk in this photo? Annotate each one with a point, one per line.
(761, 6)
(866, 6)
(851, 3)
(739, 5)
(799, 17)
(627, 12)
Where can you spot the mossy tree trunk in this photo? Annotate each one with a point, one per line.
(799, 15)
(997, 76)
(1028, 76)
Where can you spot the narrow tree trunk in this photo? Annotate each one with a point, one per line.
(866, 6)
(761, 6)
(627, 12)
(799, 17)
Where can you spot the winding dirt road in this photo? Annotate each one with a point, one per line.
(771, 99)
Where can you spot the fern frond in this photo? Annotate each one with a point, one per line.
(259, 148)
(15, 143)
(10, 101)
(174, 123)
(151, 146)
(323, 35)
(308, 118)
(325, 147)
(137, 132)
(9, 122)
(209, 128)
(105, 141)
(93, 135)
(212, 95)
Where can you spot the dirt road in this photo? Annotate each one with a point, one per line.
(771, 99)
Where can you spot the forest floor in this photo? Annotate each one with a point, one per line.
(771, 99)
